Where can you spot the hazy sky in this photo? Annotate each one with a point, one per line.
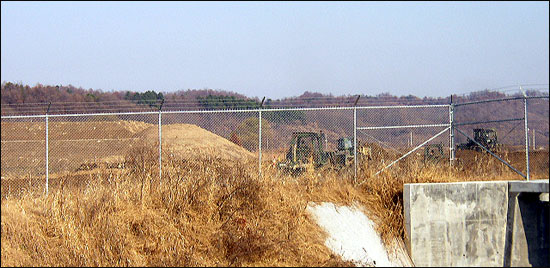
(277, 49)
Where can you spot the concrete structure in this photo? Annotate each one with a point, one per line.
(493, 223)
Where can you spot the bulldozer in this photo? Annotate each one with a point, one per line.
(309, 149)
(485, 136)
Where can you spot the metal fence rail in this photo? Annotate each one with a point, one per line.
(35, 146)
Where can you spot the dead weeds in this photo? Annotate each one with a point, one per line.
(205, 211)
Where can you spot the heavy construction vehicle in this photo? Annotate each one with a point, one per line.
(433, 153)
(485, 136)
(309, 149)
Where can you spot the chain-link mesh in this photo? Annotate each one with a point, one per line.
(498, 126)
(386, 134)
(99, 143)
(226, 135)
(317, 129)
(538, 137)
(402, 136)
(23, 165)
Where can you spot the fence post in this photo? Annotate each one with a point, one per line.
(534, 147)
(526, 132)
(451, 132)
(355, 140)
(160, 139)
(260, 138)
(47, 150)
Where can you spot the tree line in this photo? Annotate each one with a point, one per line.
(16, 97)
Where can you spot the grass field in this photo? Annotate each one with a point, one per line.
(208, 209)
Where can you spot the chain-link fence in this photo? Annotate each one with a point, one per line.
(538, 138)
(288, 133)
(498, 129)
(23, 158)
(37, 151)
(387, 135)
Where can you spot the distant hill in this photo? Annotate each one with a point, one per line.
(18, 99)
(24, 99)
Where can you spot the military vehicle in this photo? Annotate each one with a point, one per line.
(484, 136)
(433, 153)
(309, 149)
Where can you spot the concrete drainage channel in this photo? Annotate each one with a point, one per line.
(351, 235)
(496, 223)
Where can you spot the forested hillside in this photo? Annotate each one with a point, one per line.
(18, 99)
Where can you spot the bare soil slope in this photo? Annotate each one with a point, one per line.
(186, 140)
(73, 144)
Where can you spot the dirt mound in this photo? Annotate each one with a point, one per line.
(73, 144)
(185, 139)
(134, 126)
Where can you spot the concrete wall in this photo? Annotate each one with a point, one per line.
(468, 224)
(528, 235)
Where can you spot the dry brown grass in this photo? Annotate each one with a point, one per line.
(205, 211)
(386, 189)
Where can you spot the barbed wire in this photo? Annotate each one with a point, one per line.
(203, 103)
(509, 88)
